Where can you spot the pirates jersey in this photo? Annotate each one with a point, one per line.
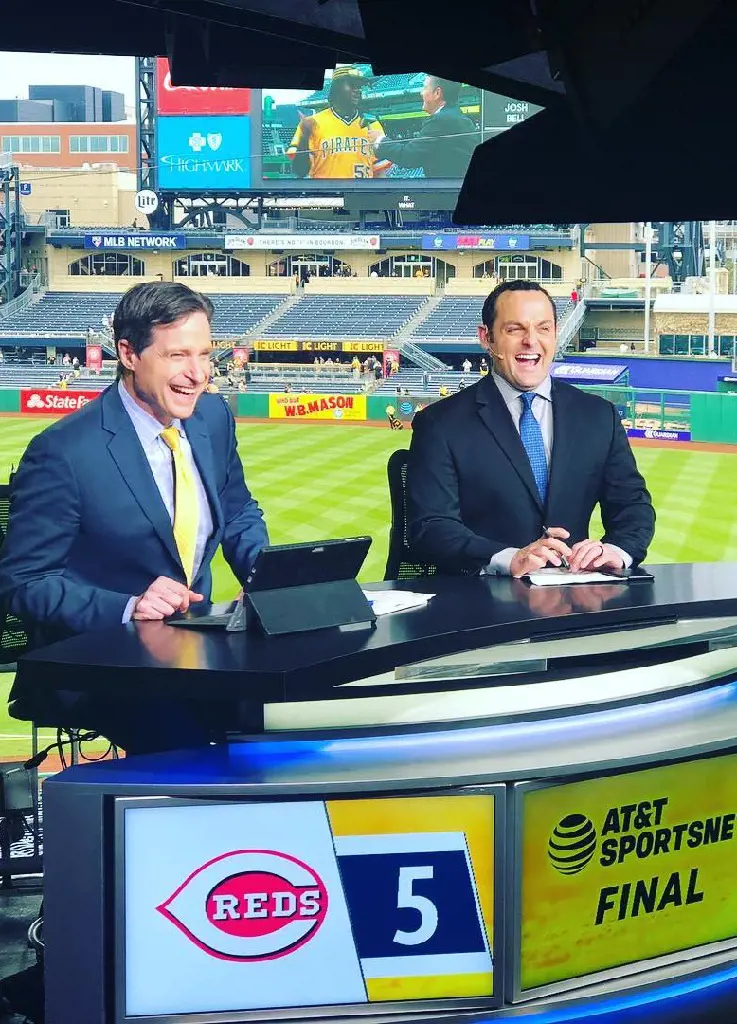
(337, 148)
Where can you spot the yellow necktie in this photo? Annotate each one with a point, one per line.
(186, 503)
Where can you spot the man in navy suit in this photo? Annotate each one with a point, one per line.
(494, 465)
(92, 541)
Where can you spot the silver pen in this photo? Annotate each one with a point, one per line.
(564, 561)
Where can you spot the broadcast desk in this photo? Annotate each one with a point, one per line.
(513, 802)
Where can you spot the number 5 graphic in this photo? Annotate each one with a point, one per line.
(406, 897)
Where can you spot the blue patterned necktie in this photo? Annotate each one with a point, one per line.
(532, 439)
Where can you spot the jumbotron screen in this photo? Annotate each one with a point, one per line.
(373, 131)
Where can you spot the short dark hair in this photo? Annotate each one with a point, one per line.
(149, 305)
(451, 90)
(488, 310)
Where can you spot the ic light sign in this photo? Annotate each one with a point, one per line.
(188, 99)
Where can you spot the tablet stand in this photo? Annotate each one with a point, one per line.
(300, 609)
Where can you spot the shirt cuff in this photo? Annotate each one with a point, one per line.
(627, 559)
(129, 608)
(501, 563)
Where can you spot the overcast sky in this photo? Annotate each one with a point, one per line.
(19, 70)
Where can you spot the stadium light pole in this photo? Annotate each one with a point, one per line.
(712, 282)
(648, 272)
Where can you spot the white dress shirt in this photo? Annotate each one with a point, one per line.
(158, 455)
(542, 410)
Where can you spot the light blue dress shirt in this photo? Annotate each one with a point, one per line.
(542, 410)
(148, 430)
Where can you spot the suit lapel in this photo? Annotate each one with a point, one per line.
(496, 416)
(564, 441)
(126, 450)
(199, 440)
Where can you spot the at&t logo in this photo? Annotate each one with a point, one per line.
(572, 844)
(249, 905)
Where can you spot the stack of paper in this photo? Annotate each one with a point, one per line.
(558, 577)
(385, 602)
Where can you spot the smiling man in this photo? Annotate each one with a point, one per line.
(504, 476)
(118, 509)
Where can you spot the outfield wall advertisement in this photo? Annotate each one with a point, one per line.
(626, 868)
(40, 402)
(317, 407)
(315, 345)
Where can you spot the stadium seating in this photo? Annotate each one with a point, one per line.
(74, 312)
(350, 316)
(460, 316)
(25, 375)
(412, 380)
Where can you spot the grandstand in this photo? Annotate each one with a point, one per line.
(75, 312)
(351, 316)
(26, 375)
(459, 317)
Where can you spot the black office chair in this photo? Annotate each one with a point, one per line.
(401, 564)
(13, 636)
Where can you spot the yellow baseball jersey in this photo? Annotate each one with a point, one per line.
(337, 148)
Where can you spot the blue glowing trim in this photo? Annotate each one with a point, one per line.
(495, 737)
(680, 989)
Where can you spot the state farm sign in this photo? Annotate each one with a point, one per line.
(54, 403)
(191, 99)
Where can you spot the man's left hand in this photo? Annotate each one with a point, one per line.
(587, 555)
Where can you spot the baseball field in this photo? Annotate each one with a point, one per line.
(317, 481)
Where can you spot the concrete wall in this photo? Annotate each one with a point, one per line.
(93, 198)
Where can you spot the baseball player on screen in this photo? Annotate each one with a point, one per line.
(334, 143)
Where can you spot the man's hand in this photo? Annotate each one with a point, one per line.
(547, 550)
(163, 598)
(375, 136)
(592, 554)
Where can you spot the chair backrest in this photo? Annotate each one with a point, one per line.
(13, 637)
(401, 563)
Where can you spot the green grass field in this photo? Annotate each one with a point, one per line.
(317, 481)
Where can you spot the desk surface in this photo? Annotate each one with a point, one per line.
(466, 614)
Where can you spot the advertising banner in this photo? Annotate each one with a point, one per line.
(588, 373)
(390, 361)
(260, 906)
(162, 240)
(317, 407)
(501, 243)
(302, 241)
(313, 345)
(627, 868)
(241, 353)
(189, 99)
(659, 435)
(204, 152)
(42, 402)
(363, 346)
(93, 358)
(275, 346)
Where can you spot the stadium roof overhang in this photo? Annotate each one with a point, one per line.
(637, 95)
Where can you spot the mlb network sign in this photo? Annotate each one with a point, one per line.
(54, 403)
(192, 99)
(164, 240)
(204, 152)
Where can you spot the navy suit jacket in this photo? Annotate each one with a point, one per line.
(88, 528)
(471, 492)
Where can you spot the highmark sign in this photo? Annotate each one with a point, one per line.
(627, 868)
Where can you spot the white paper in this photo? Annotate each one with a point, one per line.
(385, 602)
(554, 576)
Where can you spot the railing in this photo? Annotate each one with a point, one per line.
(23, 301)
(419, 356)
(570, 325)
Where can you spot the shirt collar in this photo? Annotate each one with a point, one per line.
(511, 394)
(147, 427)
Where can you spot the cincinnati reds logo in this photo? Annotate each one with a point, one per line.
(249, 905)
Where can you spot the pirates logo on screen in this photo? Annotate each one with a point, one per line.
(249, 905)
(572, 844)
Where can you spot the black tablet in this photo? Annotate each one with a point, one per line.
(299, 565)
